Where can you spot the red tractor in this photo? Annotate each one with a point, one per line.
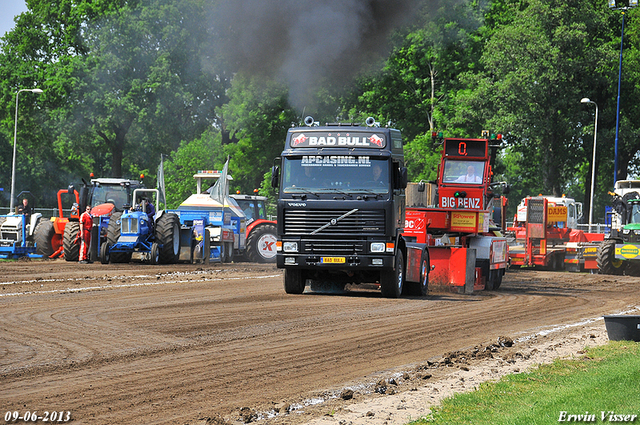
(261, 232)
(106, 196)
(49, 235)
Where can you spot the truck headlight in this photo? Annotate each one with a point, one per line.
(290, 246)
(378, 247)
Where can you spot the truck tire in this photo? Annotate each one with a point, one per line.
(494, 280)
(294, 281)
(43, 237)
(71, 241)
(261, 244)
(392, 281)
(113, 234)
(168, 235)
(420, 289)
(606, 259)
(227, 252)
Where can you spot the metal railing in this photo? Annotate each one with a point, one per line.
(47, 213)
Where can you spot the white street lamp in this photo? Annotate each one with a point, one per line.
(593, 162)
(15, 140)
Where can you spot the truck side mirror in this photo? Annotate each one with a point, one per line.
(421, 186)
(403, 177)
(275, 176)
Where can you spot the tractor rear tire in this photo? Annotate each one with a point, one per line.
(392, 281)
(261, 244)
(606, 259)
(43, 237)
(71, 241)
(168, 235)
(113, 234)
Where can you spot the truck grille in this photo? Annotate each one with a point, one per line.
(358, 224)
(332, 247)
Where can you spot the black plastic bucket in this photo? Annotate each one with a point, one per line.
(623, 327)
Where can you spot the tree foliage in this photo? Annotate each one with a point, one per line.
(125, 81)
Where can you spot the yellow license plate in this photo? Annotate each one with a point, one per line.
(332, 260)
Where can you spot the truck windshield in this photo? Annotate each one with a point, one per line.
(330, 173)
(460, 171)
(117, 195)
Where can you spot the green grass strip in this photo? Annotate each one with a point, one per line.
(605, 379)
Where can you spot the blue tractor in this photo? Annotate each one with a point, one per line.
(157, 236)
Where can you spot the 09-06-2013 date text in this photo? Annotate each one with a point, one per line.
(54, 416)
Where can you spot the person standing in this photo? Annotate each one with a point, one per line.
(86, 222)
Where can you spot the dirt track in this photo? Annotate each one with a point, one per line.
(139, 344)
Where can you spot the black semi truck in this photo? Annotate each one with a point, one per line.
(341, 206)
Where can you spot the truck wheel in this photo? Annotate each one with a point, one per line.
(113, 234)
(168, 235)
(425, 269)
(494, 280)
(392, 281)
(43, 237)
(420, 289)
(155, 253)
(227, 252)
(105, 256)
(293, 281)
(71, 242)
(261, 244)
(606, 259)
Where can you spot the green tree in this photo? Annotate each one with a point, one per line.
(536, 68)
(258, 116)
(204, 153)
(140, 86)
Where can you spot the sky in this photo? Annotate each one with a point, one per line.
(9, 9)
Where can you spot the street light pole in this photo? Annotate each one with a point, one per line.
(612, 6)
(15, 142)
(593, 162)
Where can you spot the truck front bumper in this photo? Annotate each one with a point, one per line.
(347, 262)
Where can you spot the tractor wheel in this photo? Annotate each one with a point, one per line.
(294, 281)
(168, 235)
(227, 253)
(105, 256)
(261, 244)
(113, 234)
(44, 238)
(155, 253)
(71, 241)
(606, 258)
(392, 281)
